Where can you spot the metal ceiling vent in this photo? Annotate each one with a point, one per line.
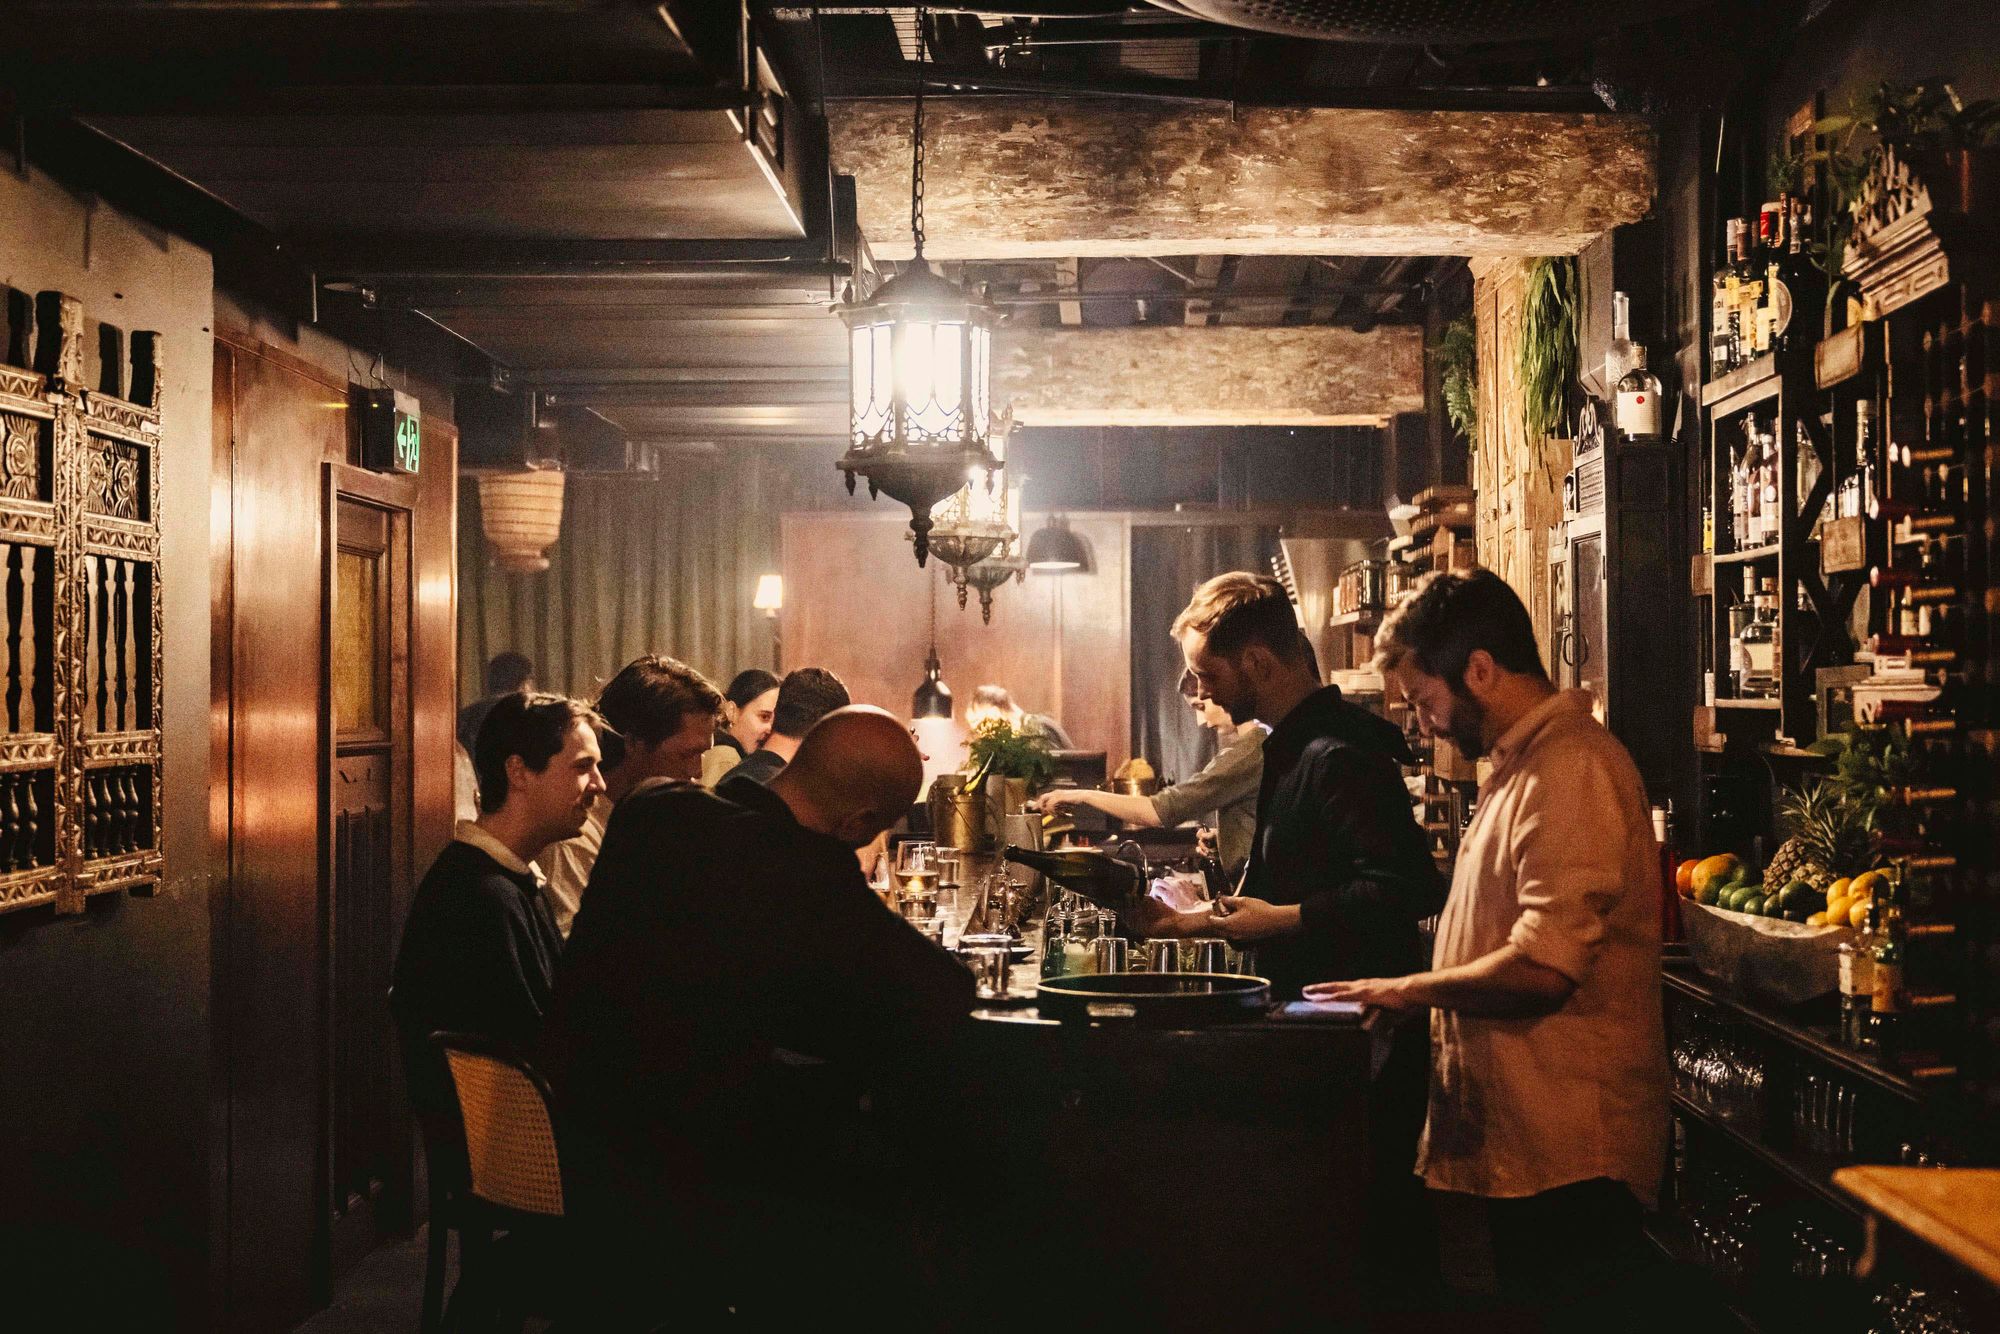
(1427, 20)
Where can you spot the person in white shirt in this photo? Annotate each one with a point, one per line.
(662, 713)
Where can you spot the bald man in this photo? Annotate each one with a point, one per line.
(730, 991)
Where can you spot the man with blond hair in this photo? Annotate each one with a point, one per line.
(1339, 872)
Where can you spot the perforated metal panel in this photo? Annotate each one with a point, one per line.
(1428, 20)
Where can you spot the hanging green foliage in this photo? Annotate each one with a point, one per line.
(1456, 356)
(1546, 357)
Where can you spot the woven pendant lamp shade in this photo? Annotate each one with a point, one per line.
(522, 515)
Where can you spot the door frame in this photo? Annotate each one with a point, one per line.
(397, 497)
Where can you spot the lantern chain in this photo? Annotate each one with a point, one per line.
(917, 144)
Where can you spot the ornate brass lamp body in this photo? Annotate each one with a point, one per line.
(1002, 508)
(919, 350)
(980, 520)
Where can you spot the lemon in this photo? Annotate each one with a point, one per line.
(1867, 883)
(1837, 888)
(1857, 917)
(1837, 906)
(1816, 919)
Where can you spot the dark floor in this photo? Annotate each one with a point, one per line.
(385, 1293)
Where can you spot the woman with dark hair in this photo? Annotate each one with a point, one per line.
(748, 707)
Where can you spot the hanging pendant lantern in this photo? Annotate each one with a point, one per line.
(980, 520)
(986, 576)
(919, 392)
(521, 513)
(932, 698)
(988, 573)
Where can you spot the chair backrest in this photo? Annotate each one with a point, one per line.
(510, 1138)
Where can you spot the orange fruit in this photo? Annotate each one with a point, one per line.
(1713, 870)
(1684, 875)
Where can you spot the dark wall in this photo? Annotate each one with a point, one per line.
(1725, 94)
(105, 1119)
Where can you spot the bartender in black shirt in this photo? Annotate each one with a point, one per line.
(1339, 875)
(1339, 872)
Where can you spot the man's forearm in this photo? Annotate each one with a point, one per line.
(1505, 984)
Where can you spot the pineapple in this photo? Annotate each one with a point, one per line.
(1827, 835)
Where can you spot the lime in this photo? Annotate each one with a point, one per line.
(1753, 905)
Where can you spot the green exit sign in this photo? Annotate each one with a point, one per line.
(391, 429)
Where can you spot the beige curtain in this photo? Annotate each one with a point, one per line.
(663, 565)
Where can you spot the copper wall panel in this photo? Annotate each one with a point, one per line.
(855, 604)
(287, 418)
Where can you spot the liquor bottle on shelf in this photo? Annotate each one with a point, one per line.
(1857, 990)
(1865, 941)
(1886, 1015)
(1769, 519)
(1774, 307)
(1742, 496)
(1636, 411)
(1721, 300)
(1740, 613)
(1750, 295)
(1728, 299)
(1760, 644)
(1916, 719)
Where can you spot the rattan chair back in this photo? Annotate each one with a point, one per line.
(510, 1138)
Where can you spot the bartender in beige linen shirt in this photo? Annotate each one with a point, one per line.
(1548, 1092)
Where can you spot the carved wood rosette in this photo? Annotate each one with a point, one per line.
(80, 613)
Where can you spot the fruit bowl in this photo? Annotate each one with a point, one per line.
(1788, 961)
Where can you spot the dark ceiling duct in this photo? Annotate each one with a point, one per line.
(1415, 21)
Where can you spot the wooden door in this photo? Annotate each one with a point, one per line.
(366, 1148)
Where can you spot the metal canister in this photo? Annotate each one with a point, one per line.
(1163, 956)
(1110, 952)
(958, 815)
(1204, 954)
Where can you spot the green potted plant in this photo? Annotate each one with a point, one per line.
(1011, 764)
(1456, 356)
(1545, 357)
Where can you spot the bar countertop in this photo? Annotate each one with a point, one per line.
(1956, 1210)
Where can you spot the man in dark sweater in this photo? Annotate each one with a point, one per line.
(804, 697)
(479, 949)
(730, 991)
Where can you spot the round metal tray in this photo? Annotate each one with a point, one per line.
(1161, 1000)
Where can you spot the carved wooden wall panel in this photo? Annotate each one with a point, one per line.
(80, 682)
(1518, 480)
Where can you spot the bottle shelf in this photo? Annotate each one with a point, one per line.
(1767, 552)
(1743, 387)
(1812, 1177)
(1815, 1040)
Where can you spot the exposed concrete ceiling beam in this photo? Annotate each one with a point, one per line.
(1042, 177)
(1231, 375)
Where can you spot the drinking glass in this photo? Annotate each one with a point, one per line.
(990, 956)
(917, 872)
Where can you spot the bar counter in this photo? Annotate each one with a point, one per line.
(1190, 1178)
